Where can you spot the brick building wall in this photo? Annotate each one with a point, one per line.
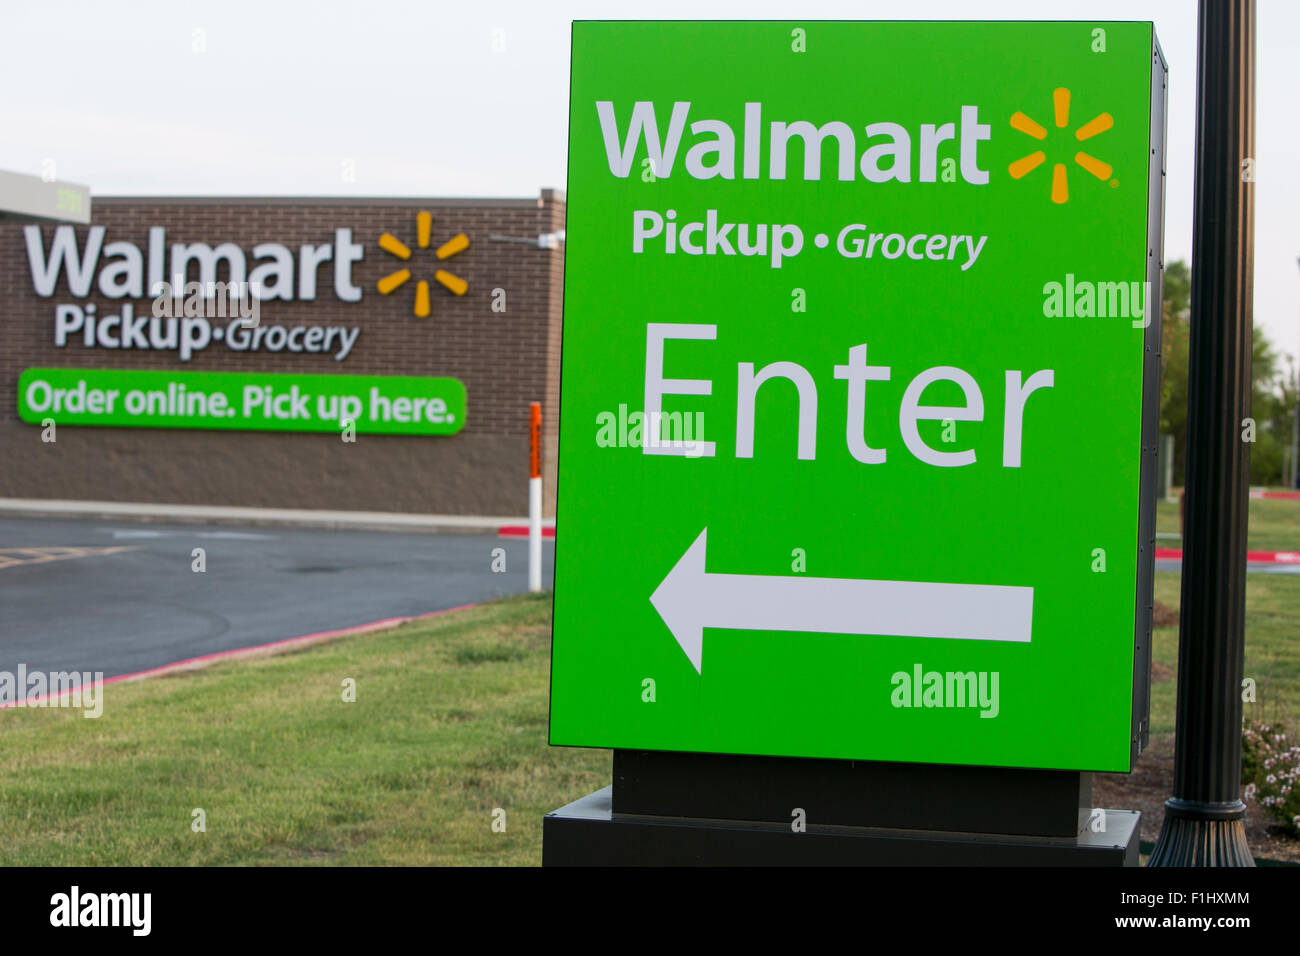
(505, 359)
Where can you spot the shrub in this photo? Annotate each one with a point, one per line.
(1270, 770)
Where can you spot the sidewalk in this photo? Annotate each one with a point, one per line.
(221, 514)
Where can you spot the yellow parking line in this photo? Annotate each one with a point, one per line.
(13, 557)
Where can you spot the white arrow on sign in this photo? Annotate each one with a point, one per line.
(690, 599)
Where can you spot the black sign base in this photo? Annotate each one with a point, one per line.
(588, 833)
(852, 793)
(675, 809)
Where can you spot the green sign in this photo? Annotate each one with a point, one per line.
(249, 401)
(859, 381)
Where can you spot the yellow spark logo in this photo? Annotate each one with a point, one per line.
(395, 280)
(1061, 104)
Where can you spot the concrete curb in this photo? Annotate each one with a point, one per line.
(223, 514)
(1252, 557)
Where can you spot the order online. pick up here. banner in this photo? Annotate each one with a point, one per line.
(246, 401)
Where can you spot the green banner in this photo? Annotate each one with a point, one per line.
(860, 339)
(245, 401)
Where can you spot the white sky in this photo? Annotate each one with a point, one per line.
(414, 96)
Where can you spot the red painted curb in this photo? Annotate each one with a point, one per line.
(204, 659)
(1254, 557)
(521, 531)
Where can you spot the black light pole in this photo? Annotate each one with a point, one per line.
(1205, 819)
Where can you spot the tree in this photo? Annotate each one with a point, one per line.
(1273, 387)
(1174, 333)
(1272, 405)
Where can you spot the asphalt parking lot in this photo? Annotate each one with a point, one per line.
(122, 597)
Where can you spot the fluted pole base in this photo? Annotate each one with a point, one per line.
(1202, 834)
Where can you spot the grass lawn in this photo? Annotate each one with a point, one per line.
(1272, 650)
(1272, 619)
(1274, 524)
(449, 723)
